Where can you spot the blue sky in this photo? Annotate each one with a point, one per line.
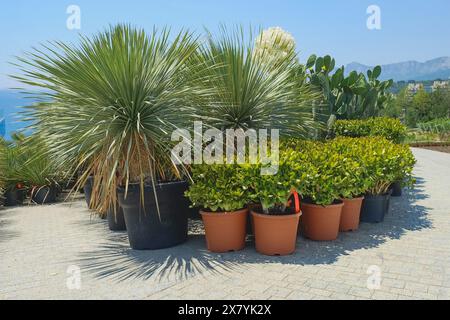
(411, 29)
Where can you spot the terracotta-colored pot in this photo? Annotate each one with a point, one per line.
(225, 231)
(321, 223)
(275, 235)
(351, 213)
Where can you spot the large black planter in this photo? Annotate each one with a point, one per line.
(14, 197)
(116, 220)
(396, 189)
(88, 190)
(44, 195)
(146, 229)
(375, 208)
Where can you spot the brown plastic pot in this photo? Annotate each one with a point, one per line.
(351, 213)
(275, 235)
(225, 231)
(321, 223)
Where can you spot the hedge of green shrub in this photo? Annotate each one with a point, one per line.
(321, 172)
(389, 128)
(384, 162)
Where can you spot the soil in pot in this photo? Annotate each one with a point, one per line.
(396, 189)
(351, 213)
(87, 188)
(116, 220)
(321, 223)
(148, 230)
(275, 235)
(225, 231)
(374, 208)
(44, 195)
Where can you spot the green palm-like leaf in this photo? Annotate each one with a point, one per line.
(109, 104)
(253, 88)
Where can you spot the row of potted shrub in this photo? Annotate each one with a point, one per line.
(329, 179)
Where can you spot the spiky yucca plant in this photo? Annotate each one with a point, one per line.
(110, 103)
(253, 88)
(26, 161)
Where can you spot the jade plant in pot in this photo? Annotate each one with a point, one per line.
(276, 220)
(322, 178)
(403, 176)
(115, 115)
(357, 181)
(222, 193)
(381, 160)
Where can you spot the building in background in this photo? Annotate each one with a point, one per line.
(440, 85)
(415, 87)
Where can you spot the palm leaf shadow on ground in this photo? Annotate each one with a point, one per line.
(114, 259)
(6, 221)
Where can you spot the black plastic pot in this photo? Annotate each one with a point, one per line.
(44, 195)
(375, 208)
(146, 229)
(388, 201)
(396, 189)
(14, 198)
(88, 190)
(116, 220)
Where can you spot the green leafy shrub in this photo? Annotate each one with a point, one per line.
(273, 191)
(404, 173)
(326, 174)
(389, 128)
(219, 187)
(349, 167)
(385, 163)
(357, 175)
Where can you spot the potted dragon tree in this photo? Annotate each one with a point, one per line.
(221, 190)
(114, 115)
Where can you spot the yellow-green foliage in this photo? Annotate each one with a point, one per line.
(389, 128)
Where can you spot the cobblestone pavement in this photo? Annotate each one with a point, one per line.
(42, 248)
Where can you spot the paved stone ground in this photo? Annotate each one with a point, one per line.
(39, 245)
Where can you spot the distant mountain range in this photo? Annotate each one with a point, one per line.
(438, 68)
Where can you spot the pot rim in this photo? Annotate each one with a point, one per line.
(323, 207)
(223, 213)
(135, 185)
(276, 217)
(367, 196)
(354, 199)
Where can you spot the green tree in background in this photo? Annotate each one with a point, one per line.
(420, 109)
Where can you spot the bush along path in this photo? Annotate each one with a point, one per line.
(45, 248)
